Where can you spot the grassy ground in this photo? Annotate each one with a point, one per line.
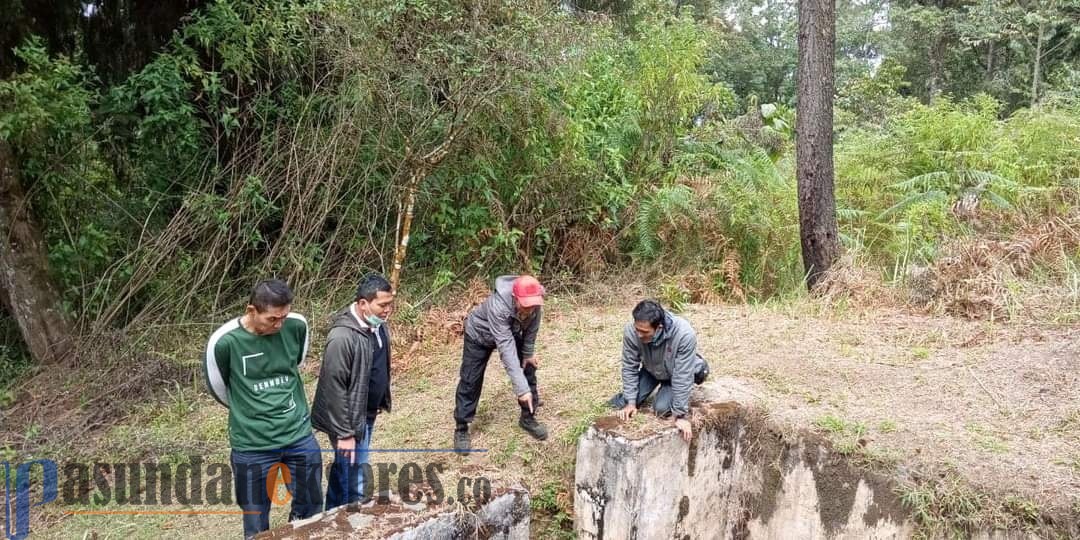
(995, 405)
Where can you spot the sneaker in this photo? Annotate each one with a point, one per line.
(532, 427)
(461, 442)
(617, 401)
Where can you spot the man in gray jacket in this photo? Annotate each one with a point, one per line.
(354, 385)
(659, 353)
(508, 321)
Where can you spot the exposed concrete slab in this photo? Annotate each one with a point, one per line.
(506, 517)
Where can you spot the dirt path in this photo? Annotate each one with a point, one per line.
(998, 404)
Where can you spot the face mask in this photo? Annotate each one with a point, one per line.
(374, 320)
(656, 336)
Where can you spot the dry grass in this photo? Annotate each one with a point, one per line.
(996, 279)
(983, 398)
(108, 376)
(850, 282)
(999, 403)
(996, 401)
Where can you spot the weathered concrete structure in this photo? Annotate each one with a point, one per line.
(506, 517)
(737, 479)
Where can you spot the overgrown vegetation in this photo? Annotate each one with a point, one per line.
(945, 506)
(286, 138)
(278, 138)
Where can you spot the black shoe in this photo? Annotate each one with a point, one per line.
(702, 373)
(461, 442)
(617, 401)
(532, 427)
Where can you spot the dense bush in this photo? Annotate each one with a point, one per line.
(280, 137)
(953, 169)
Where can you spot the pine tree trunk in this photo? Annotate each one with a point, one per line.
(1036, 71)
(934, 82)
(26, 291)
(814, 137)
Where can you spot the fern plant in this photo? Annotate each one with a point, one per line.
(661, 207)
(961, 185)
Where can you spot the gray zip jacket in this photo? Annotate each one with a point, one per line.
(494, 324)
(672, 358)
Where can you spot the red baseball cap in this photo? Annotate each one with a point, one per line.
(528, 291)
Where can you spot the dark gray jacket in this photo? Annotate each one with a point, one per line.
(340, 406)
(672, 357)
(494, 324)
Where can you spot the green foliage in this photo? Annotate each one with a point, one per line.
(779, 120)
(734, 212)
(46, 114)
(674, 295)
(846, 435)
(545, 500)
(669, 206)
(574, 153)
(666, 67)
(915, 181)
(47, 103)
(944, 508)
(871, 98)
(13, 363)
(277, 137)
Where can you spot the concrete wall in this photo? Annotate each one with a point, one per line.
(736, 479)
(728, 483)
(733, 481)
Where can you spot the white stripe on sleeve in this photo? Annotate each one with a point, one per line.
(213, 374)
(307, 336)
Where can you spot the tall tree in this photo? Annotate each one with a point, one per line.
(27, 292)
(118, 36)
(814, 137)
(756, 47)
(756, 53)
(26, 289)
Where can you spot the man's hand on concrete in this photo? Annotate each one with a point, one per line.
(346, 447)
(628, 411)
(526, 400)
(684, 428)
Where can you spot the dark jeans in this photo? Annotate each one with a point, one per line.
(474, 360)
(346, 482)
(303, 459)
(645, 386)
(647, 383)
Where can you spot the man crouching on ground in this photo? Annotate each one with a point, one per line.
(659, 353)
(508, 320)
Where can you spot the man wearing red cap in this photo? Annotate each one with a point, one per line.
(508, 321)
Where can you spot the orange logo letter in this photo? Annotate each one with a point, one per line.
(272, 484)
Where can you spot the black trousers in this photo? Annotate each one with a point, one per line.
(474, 360)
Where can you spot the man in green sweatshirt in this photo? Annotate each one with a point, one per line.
(252, 367)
